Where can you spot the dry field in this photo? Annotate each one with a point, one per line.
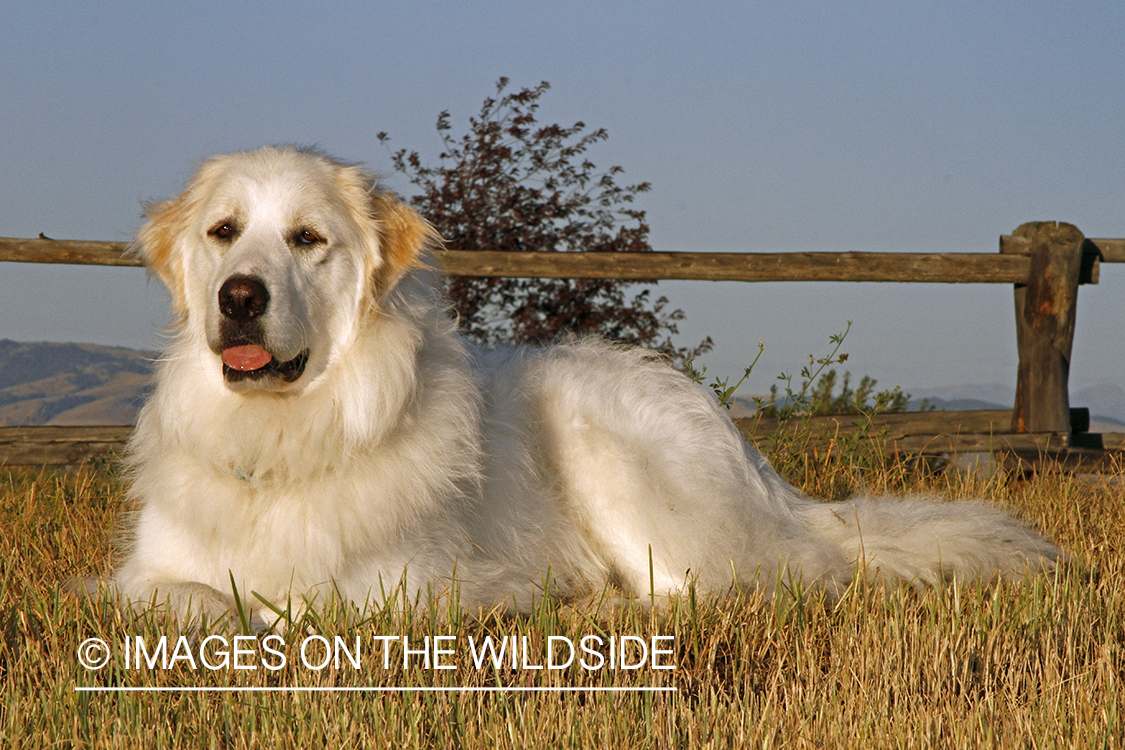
(1032, 665)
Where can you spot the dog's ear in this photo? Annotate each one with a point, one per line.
(396, 235)
(403, 237)
(158, 245)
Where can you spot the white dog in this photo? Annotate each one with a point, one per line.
(318, 426)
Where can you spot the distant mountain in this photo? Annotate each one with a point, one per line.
(71, 384)
(1105, 401)
(85, 384)
(953, 404)
(965, 396)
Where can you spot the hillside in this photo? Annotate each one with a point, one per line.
(85, 384)
(71, 384)
(1105, 401)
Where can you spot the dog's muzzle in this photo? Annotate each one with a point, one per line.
(242, 299)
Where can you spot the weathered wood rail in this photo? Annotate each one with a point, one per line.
(954, 432)
(40, 446)
(1045, 262)
(1012, 266)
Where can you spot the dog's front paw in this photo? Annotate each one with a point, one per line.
(90, 589)
(194, 607)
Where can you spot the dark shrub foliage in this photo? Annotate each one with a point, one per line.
(510, 184)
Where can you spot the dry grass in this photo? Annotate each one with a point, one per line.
(1027, 666)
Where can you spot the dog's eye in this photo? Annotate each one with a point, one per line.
(307, 237)
(222, 231)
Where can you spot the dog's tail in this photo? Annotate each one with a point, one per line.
(923, 541)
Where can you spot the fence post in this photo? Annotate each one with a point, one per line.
(1045, 314)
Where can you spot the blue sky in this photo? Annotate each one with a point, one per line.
(763, 126)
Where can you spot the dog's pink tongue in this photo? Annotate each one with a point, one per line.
(246, 358)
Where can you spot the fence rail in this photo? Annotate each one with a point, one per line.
(39, 446)
(1045, 262)
(1012, 266)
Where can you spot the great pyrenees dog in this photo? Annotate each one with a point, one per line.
(319, 428)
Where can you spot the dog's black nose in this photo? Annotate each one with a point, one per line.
(243, 297)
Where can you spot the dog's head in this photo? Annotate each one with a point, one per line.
(273, 257)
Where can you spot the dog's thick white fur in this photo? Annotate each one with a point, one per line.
(318, 426)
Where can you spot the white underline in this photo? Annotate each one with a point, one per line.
(307, 689)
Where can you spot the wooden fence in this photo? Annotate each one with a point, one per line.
(1046, 262)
